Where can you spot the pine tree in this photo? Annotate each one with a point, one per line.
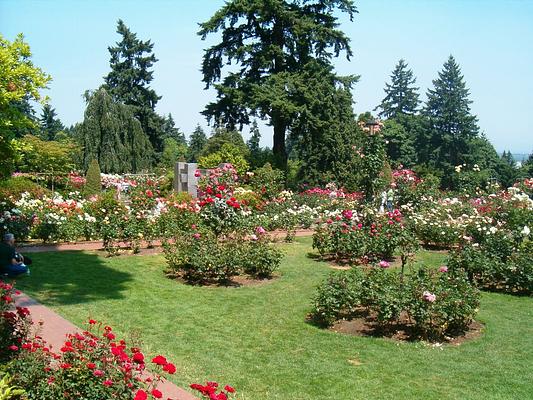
(197, 142)
(112, 135)
(50, 124)
(451, 126)
(270, 42)
(401, 94)
(255, 138)
(324, 134)
(169, 130)
(129, 81)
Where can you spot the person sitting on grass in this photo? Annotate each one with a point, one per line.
(12, 263)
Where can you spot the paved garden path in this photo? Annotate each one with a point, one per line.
(97, 244)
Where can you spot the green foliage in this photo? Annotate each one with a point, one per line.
(37, 155)
(14, 187)
(324, 133)
(173, 151)
(268, 181)
(222, 137)
(297, 33)
(50, 124)
(339, 295)
(450, 123)
(111, 134)
(228, 153)
(8, 391)
(401, 96)
(197, 142)
(93, 184)
(201, 257)
(399, 142)
(20, 82)
(498, 263)
(129, 80)
(439, 304)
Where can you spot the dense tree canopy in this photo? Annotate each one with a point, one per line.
(20, 82)
(197, 142)
(50, 123)
(112, 135)
(451, 126)
(129, 80)
(270, 42)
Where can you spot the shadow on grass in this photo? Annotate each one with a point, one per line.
(72, 277)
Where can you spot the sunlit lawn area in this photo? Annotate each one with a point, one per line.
(257, 338)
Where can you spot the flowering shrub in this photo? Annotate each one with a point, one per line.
(353, 236)
(92, 364)
(439, 303)
(503, 261)
(15, 322)
(200, 256)
(209, 390)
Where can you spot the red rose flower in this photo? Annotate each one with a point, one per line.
(170, 368)
(159, 360)
(156, 393)
(141, 395)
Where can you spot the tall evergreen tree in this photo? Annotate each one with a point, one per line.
(169, 130)
(112, 135)
(255, 138)
(129, 81)
(451, 126)
(270, 42)
(50, 123)
(401, 96)
(325, 127)
(197, 143)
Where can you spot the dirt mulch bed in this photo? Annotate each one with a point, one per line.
(403, 331)
(235, 282)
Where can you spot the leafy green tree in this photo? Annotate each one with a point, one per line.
(50, 123)
(197, 142)
(20, 82)
(228, 153)
(325, 127)
(38, 155)
(401, 96)
(112, 135)
(222, 136)
(451, 126)
(399, 143)
(173, 151)
(129, 80)
(270, 42)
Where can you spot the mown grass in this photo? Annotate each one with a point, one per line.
(257, 338)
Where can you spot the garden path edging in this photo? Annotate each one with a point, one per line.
(53, 328)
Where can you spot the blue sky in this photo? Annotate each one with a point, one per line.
(491, 40)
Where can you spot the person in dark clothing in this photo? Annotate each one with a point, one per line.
(12, 263)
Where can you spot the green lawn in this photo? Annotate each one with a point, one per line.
(257, 339)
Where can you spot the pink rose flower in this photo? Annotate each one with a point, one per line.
(428, 296)
(443, 268)
(384, 264)
(260, 230)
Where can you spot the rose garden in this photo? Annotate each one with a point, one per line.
(385, 256)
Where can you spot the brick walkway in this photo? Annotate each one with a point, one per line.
(55, 328)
